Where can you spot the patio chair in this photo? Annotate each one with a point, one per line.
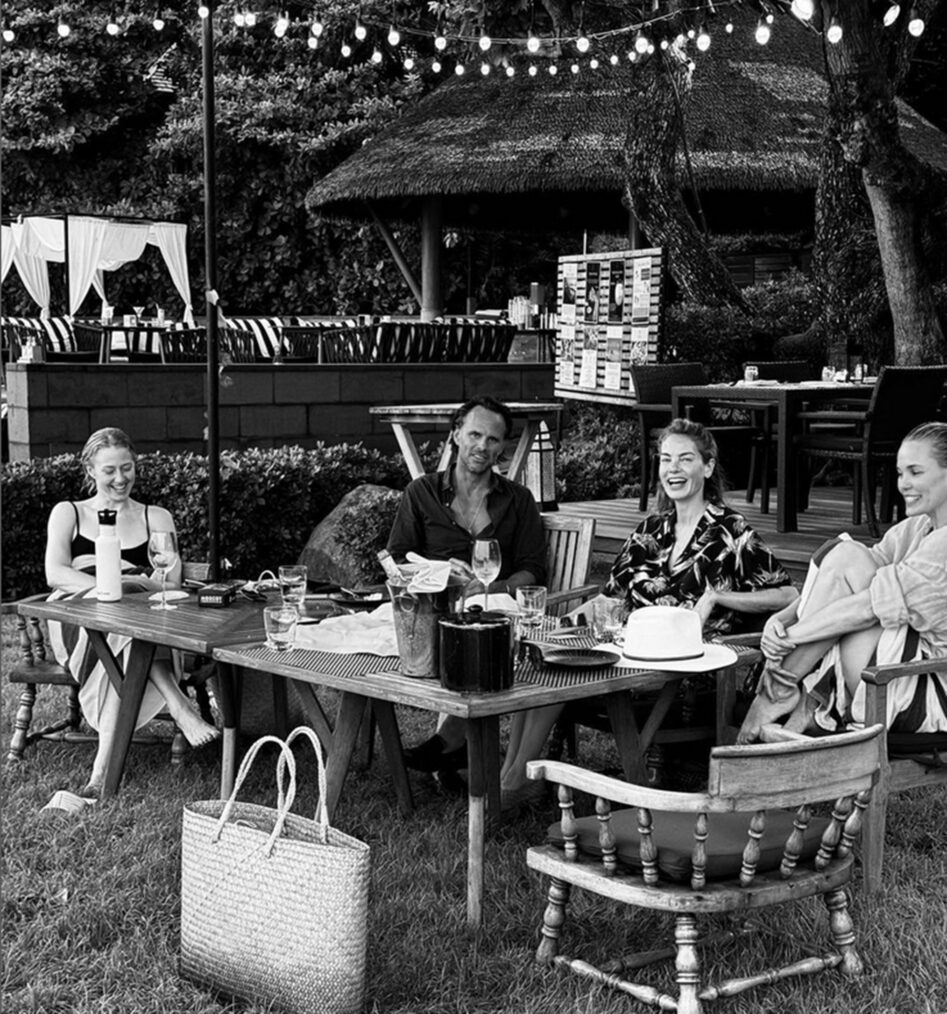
(751, 840)
(236, 346)
(36, 666)
(902, 398)
(300, 344)
(87, 345)
(653, 383)
(144, 345)
(185, 345)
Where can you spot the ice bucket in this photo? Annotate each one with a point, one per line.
(476, 651)
(415, 618)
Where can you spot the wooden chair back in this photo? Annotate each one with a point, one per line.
(186, 345)
(236, 346)
(568, 561)
(653, 382)
(301, 344)
(903, 397)
(729, 849)
(88, 345)
(144, 345)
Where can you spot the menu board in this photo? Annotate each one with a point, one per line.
(610, 316)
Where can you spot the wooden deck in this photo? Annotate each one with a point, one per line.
(830, 512)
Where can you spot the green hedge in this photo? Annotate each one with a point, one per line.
(270, 500)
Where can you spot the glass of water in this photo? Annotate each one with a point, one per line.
(531, 601)
(292, 585)
(608, 618)
(280, 625)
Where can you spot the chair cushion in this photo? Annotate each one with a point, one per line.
(265, 330)
(673, 834)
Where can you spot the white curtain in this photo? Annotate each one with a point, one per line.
(170, 238)
(32, 270)
(6, 250)
(44, 237)
(86, 239)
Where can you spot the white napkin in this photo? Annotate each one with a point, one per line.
(431, 576)
(355, 633)
(499, 602)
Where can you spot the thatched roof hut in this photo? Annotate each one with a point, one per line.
(541, 151)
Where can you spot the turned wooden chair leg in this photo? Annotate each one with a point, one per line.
(179, 748)
(553, 918)
(21, 722)
(687, 964)
(843, 932)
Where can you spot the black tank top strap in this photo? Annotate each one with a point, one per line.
(147, 522)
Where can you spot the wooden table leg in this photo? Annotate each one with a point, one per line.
(349, 718)
(312, 708)
(140, 656)
(408, 449)
(518, 461)
(391, 742)
(483, 737)
(230, 683)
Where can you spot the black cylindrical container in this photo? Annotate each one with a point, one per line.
(476, 652)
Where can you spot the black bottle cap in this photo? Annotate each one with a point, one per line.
(107, 517)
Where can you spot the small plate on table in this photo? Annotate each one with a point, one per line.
(579, 658)
(359, 598)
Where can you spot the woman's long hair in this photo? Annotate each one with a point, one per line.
(703, 440)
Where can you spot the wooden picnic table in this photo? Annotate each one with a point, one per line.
(788, 400)
(370, 681)
(403, 417)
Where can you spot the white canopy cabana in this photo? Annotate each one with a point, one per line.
(96, 245)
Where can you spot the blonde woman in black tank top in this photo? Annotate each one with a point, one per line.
(109, 461)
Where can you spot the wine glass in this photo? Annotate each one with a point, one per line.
(163, 555)
(485, 562)
(139, 310)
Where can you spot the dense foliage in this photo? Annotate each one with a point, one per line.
(270, 502)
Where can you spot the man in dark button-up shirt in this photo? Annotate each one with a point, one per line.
(441, 515)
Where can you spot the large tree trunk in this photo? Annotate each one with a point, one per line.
(862, 89)
(653, 190)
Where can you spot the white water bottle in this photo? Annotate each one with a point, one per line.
(108, 560)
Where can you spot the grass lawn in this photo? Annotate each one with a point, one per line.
(91, 903)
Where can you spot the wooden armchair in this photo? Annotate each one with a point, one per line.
(36, 666)
(750, 841)
(913, 759)
(568, 561)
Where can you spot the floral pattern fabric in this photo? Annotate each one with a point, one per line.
(724, 553)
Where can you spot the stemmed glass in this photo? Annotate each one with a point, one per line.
(163, 555)
(139, 310)
(485, 562)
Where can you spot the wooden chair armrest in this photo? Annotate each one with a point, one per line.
(752, 640)
(779, 734)
(882, 675)
(607, 787)
(12, 608)
(581, 594)
(833, 415)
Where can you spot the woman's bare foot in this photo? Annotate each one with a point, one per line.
(196, 731)
(778, 695)
(801, 719)
(93, 790)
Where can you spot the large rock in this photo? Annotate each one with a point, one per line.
(343, 546)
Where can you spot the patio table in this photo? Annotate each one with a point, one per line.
(189, 627)
(368, 680)
(788, 400)
(402, 417)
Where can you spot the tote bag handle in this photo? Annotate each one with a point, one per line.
(321, 818)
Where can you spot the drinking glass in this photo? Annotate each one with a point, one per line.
(531, 599)
(608, 618)
(279, 622)
(485, 562)
(139, 310)
(292, 585)
(163, 555)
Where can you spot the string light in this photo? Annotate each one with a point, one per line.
(360, 31)
(376, 56)
(282, 26)
(346, 50)
(703, 39)
(440, 43)
(250, 19)
(485, 68)
(485, 43)
(203, 12)
(532, 44)
(460, 70)
(312, 42)
(641, 44)
(240, 19)
(728, 28)
(833, 33)
(582, 44)
(574, 68)
(891, 15)
(613, 59)
(510, 70)
(158, 22)
(650, 49)
(553, 70)
(409, 63)
(803, 9)
(112, 26)
(916, 24)
(532, 70)
(436, 66)
(664, 44)
(63, 30)
(762, 32)
(317, 28)
(394, 36)
(8, 35)
(593, 63)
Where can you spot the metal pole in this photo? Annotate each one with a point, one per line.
(210, 271)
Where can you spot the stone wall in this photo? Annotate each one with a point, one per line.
(53, 407)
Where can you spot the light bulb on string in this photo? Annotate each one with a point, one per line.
(239, 19)
(679, 40)
(312, 42)
(436, 66)
(317, 28)
(613, 59)
(728, 28)
(691, 33)
(510, 70)
(460, 70)
(582, 44)
(553, 70)
(8, 35)
(916, 24)
(282, 26)
(250, 19)
(376, 56)
(593, 63)
(891, 15)
(360, 31)
(632, 55)
(833, 33)
(394, 36)
(664, 44)
(770, 18)
(203, 12)
(346, 50)
(409, 63)
(440, 43)
(803, 9)
(691, 66)
(532, 44)
(641, 44)
(158, 22)
(63, 30)
(532, 70)
(703, 40)
(574, 68)
(650, 49)
(763, 33)
(112, 26)
(485, 42)
(484, 68)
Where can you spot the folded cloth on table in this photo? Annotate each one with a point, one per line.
(431, 575)
(355, 633)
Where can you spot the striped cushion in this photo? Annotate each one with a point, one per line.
(324, 323)
(57, 329)
(266, 331)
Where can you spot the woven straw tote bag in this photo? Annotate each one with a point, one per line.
(274, 906)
